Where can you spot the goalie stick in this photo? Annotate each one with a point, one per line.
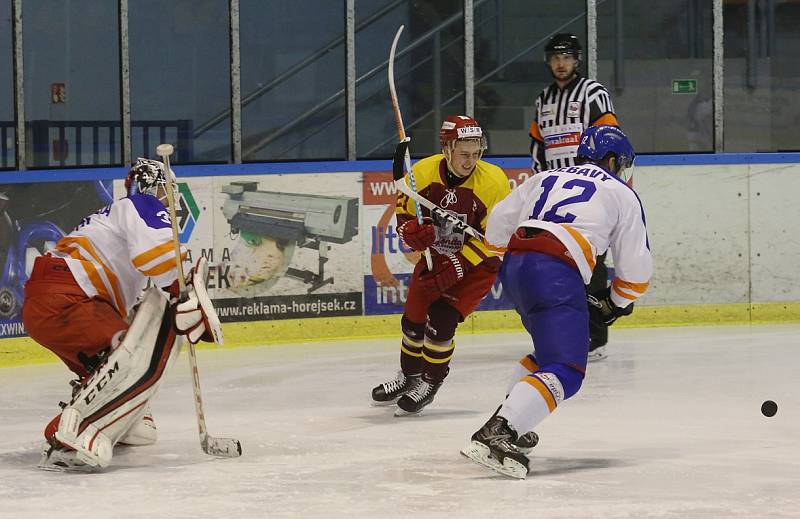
(401, 132)
(403, 187)
(223, 447)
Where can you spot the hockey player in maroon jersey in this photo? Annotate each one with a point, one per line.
(464, 270)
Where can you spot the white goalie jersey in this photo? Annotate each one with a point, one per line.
(114, 251)
(589, 210)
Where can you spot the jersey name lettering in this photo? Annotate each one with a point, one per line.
(586, 172)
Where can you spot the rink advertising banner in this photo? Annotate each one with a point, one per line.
(388, 263)
(33, 218)
(236, 309)
(279, 246)
(287, 246)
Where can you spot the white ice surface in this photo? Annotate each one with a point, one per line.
(668, 426)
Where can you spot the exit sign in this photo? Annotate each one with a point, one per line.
(684, 86)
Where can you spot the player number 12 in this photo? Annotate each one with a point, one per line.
(587, 190)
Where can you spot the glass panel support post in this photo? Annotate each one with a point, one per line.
(19, 85)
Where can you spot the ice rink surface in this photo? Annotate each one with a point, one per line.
(668, 426)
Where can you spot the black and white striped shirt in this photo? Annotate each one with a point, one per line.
(561, 117)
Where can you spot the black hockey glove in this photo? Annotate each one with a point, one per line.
(603, 311)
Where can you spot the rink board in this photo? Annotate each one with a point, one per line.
(719, 227)
(23, 350)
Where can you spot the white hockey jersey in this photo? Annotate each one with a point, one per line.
(589, 210)
(113, 252)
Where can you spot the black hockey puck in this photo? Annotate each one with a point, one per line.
(769, 408)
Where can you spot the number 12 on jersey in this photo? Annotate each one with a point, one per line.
(583, 191)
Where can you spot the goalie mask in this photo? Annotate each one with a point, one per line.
(148, 177)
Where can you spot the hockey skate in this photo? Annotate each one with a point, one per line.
(57, 458)
(415, 400)
(493, 446)
(596, 351)
(598, 338)
(388, 392)
(526, 442)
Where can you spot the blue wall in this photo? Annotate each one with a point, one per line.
(270, 168)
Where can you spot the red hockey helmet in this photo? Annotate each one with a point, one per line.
(460, 127)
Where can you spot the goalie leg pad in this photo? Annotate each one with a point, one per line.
(143, 431)
(116, 395)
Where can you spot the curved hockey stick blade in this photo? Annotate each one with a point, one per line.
(222, 447)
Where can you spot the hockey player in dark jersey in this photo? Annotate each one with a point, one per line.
(464, 270)
(564, 110)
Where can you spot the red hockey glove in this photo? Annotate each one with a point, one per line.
(416, 236)
(448, 269)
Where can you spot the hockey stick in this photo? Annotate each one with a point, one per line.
(400, 185)
(224, 447)
(401, 132)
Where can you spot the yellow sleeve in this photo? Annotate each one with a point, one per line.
(492, 187)
(424, 171)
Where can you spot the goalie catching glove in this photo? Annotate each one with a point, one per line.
(195, 316)
(603, 311)
(448, 269)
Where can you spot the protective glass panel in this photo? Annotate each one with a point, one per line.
(655, 58)
(7, 124)
(293, 78)
(180, 78)
(762, 76)
(72, 95)
(428, 70)
(509, 64)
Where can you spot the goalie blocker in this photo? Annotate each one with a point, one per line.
(116, 395)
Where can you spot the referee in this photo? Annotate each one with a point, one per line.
(564, 110)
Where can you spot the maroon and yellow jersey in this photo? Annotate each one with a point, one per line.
(471, 202)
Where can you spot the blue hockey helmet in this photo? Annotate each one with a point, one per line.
(599, 141)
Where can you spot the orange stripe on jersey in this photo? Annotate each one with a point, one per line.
(539, 386)
(493, 248)
(607, 119)
(637, 288)
(149, 255)
(91, 271)
(94, 275)
(164, 266)
(584, 245)
(535, 132)
(528, 364)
